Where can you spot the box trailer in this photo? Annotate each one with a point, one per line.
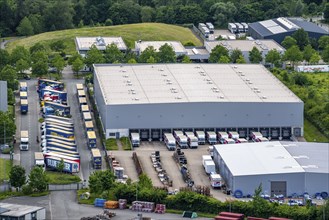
(60, 118)
(192, 140)
(201, 137)
(91, 136)
(58, 132)
(23, 95)
(23, 86)
(49, 143)
(44, 93)
(84, 108)
(240, 28)
(81, 93)
(221, 135)
(70, 166)
(170, 141)
(89, 125)
(56, 85)
(24, 106)
(79, 86)
(39, 159)
(232, 28)
(210, 27)
(211, 137)
(96, 158)
(206, 158)
(24, 145)
(59, 109)
(135, 139)
(86, 116)
(209, 167)
(47, 137)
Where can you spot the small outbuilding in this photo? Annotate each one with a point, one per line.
(17, 212)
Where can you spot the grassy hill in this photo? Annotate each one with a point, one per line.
(130, 33)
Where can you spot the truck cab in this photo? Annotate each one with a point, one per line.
(170, 141)
(192, 140)
(201, 137)
(222, 135)
(216, 180)
(241, 140)
(234, 135)
(227, 141)
(24, 145)
(255, 136)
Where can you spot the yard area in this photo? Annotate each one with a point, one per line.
(5, 169)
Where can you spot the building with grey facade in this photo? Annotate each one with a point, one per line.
(3, 96)
(18, 212)
(277, 29)
(264, 46)
(157, 98)
(285, 168)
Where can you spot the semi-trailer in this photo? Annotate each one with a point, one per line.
(24, 106)
(256, 135)
(86, 116)
(96, 158)
(72, 153)
(24, 145)
(170, 141)
(79, 86)
(135, 139)
(192, 140)
(181, 139)
(81, 93)
(49, 124)
(69, 165)
(62, 95)
(211, 137)
(58, 132)
(48, 143)
(47, 137)
(55, 85)
(44, 130)
(227, 141)
(23, 86)
(60, 118)
(85, 108)
(201, 137)
(39, 159)
(91, 136)
(63, 110)
(23, 95)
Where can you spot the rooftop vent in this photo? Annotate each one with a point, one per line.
(310, 166)
(133, 92)
(129, 84)
(161, 70)
(235, 67)
(178, 97)
(125, 76)
(201, 72)
(221, 97)
(301, 157)
(198, 67)
(100, 41)
(263, 97)
(164, 74)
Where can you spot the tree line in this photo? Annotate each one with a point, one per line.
(28, 17)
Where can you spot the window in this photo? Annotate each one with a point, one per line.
(34, 216)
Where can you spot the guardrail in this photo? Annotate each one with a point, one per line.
(62, 187)
(138, 165)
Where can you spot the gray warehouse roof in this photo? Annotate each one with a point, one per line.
(176, 45)
(245, 45)
(258, 158)
(84, 43)
(181, 83)
(15, 210)
(282, 25)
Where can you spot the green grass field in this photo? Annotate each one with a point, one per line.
(130, 33)
(312, 134)
(62, 178)
(5, 167)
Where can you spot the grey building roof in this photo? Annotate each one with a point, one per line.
(185, 83)
(283, 25)
(176, 45)
(84, 43)
(15, 210)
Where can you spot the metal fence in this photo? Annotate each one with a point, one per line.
(72, 186)
(4, 187)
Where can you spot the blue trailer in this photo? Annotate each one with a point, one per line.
(70, 166)
(58, 107)
(96, 158)
(56, 110)
(43, 131)
(49, 143)
(23, 87)
(91, 139)
(24, 106)
(61, 151)
(56, 85)
(48, 137)
(47, 124)
(60, 133)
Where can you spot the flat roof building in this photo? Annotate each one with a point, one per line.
(281, 167)
(83, 44)
(3, 96)
(152, 99)
(264, 46)
(177, 46)
(278, 28)
(14, 211)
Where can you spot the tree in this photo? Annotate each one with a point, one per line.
(100, 181)
(151, 60)
(147, 14)
(17, 176)
(25, 27)
(8, 73)
(55, 22)
(261, 207)
(125, 12)
(39, 56)
(297, 8)
(38, 179)
(77, 65)
(166, 54)
(37, 23)
(58, 46)
(18, 53)
(146, 54)
(58, 62)
(40, 68)
(6, 120)
(288, 42)
(145, 181)
(223, 12)
(60, 165)
(323, 42)
(4, 58)
(113, 54)
(186, 59)
(312, 8)
(21, 66)
(308, 52)
(224, 59)
(235, 55)
(293, 54)
(315, 58)
(216, 53)
(241, 59)
(94, 56)
(326, 13)
(301, 37)
(255, 56)
(38, 47)
(325, 54)
(132, 61)
(273, 57)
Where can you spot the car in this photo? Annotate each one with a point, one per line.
(27, 77)
(4, 146)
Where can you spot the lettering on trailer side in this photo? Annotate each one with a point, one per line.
(67, 166)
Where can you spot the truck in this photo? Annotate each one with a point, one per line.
(135, 139)
(96, 158)
(232, 28)
(89, 125)
(262, 139)
(216, 181)
(86, 116)
(23, 86)
(227, 141)
(24, 106)
(79, 86)
(55, 85)
(39, 159)
(181, 139)
(211, 137)
(210, 27)
(221, 135)
(91, 136)
(170, 141)
(58, 132)
(58, 126)
(49, 143)
(48, 124)
(234, 135)
(23, 95)
(255, 135)
(201, 137)
(240, 27)
(186, 176)
(82, 101)
(81, 93)
(72, 153)
(70, 166)
(209, 166)
(206, 158)
(192, 140)
(24, 145)
(60, 109)
(84, 108)
(48, 137)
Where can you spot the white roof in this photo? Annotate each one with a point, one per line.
(15, 210)
(176, 45)
(246, 45)
(186, 83)
(84, 43)
(258, 158)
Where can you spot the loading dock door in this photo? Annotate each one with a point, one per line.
(286, 133)
(275, 133)
(155, 134)
(144, 134)
(242, 132)
(279, 188)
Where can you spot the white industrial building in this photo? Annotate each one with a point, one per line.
(177, 46)
(18, 212)
(285, 168)
(83, 44)
(264, 46)
(155, 98)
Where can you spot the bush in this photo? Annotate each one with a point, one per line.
(111, 144)
(7, 150)
(27, 189)
(125, 142)
(41, 120)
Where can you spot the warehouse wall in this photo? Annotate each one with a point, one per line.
(194, 115)
(316, 182)
(3, 96)
(100, 102)
(248, 184)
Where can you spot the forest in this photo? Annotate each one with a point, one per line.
(28, 17)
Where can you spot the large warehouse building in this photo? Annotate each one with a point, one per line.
(277, 29)
(285, 168)
(153, 99)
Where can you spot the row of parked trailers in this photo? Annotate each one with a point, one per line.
(270, 133)
(96, 157)
(23, 97)
(206, 29)
(236, 28)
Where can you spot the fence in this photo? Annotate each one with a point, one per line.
(72, 186)
(4, 187)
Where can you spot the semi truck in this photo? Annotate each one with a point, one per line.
(89, 125)
(221, 135)
(241, 140)
(96, 158)
(192, 140)
(255, 135)
(24, 145)
(135, 139)
(55, 85)
(211, 137)
(62, 95)
(170, 141)
(58, 132)
(24, 106)
(201, 137)
(234, 135)
(181, 139)
(91, 136)
(69, 165)
(39, 159)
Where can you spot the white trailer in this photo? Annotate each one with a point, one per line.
(201, 137)
(192, 140)
(240, 27)
(234, 135)
(182, 141)
(211, 137)
(210, 27)
(209, 167)
(39, 159)
(256, 135)
(211, 150)
(246, 27)
(206, 158)
(232, 28)
(170, 141)
(135, 139)
(262, 139)
(24, 145)
(216, 180)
